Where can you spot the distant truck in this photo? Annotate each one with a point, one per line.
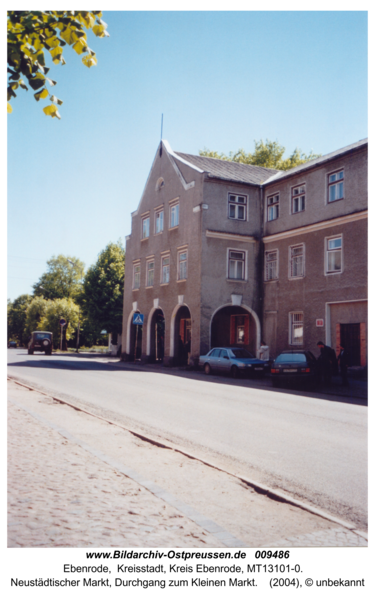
(40, 341)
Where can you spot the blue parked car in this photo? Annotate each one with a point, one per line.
(234, 361)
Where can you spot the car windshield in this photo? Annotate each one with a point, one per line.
(41, 336)
(298, 357)
(241, 353)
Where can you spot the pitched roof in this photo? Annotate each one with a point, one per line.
(227, 170)
(317, 161)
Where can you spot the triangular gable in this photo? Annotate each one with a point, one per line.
(171, 155)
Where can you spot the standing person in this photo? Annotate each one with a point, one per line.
(327, 365)
(343, 361)
(264, 351)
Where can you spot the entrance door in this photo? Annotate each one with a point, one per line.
(350, 339)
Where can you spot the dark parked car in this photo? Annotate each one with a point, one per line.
(298, 366)
(232, 360)
(12, 344)
(40, 341)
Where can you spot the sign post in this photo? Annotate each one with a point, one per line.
(62, 324)
(138, 319)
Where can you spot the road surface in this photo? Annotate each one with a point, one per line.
(312, 448)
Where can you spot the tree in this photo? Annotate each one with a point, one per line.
(30, 33)
(55, 310)
(62, 279)
(266, 154)
(103, 288)
(17, 318)
(34, 314)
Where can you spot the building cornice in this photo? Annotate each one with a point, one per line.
(316, 227)
(223, 235)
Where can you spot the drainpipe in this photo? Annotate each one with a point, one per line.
(261, 263)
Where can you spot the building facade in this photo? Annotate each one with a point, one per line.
(223, 253)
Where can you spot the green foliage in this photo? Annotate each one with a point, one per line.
(62, 279)
(266, 154)
(17, 318)
(34, 314)
(103, 288)
(55, 310)
(31, 33)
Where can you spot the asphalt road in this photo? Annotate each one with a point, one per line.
(312, 448)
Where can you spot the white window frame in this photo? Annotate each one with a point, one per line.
(295, 320)
(298, 193)
(159, 213)
(145, 219)
(236, 260)
(180, 262)
(234, 202)
(273, 205)
(173, 210)
(292, 261)
(335, 185)
(267, 262)
(149, 262)
(328, 251)
(136, 276)
(163, 257)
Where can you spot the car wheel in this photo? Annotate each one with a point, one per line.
(207, 369)
(235, 372)
(45, 343)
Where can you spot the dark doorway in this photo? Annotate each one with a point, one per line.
(157, 336)
(233, 326)
(351, 340)
(135, 341)
(182, 335)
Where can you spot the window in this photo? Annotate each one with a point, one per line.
(273, 207)
(298, 199)
(150, 269)
(159, 221)
(165, 269)
(182, 265)
(336, 186)
(296, 261)
(236, 265)
(296, 328)
(136, 276)
(334, 255)
(271, 265)
(174, 215)
(145, 228)
(237, 207)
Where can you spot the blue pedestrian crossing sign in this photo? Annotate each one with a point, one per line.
(138, 319)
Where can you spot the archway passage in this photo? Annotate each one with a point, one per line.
(157, 336)
(135, 340)
(182, 342)
(233, 326)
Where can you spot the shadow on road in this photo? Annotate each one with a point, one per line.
(356, 393)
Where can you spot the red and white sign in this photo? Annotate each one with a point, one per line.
(320, 322)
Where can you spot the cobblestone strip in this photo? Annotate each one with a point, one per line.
(61, 493)
(329, 537)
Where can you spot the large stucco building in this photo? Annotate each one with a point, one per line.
(222, 253)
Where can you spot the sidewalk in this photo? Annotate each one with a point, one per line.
(77, 481)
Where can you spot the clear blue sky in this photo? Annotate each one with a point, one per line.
(221, 79)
